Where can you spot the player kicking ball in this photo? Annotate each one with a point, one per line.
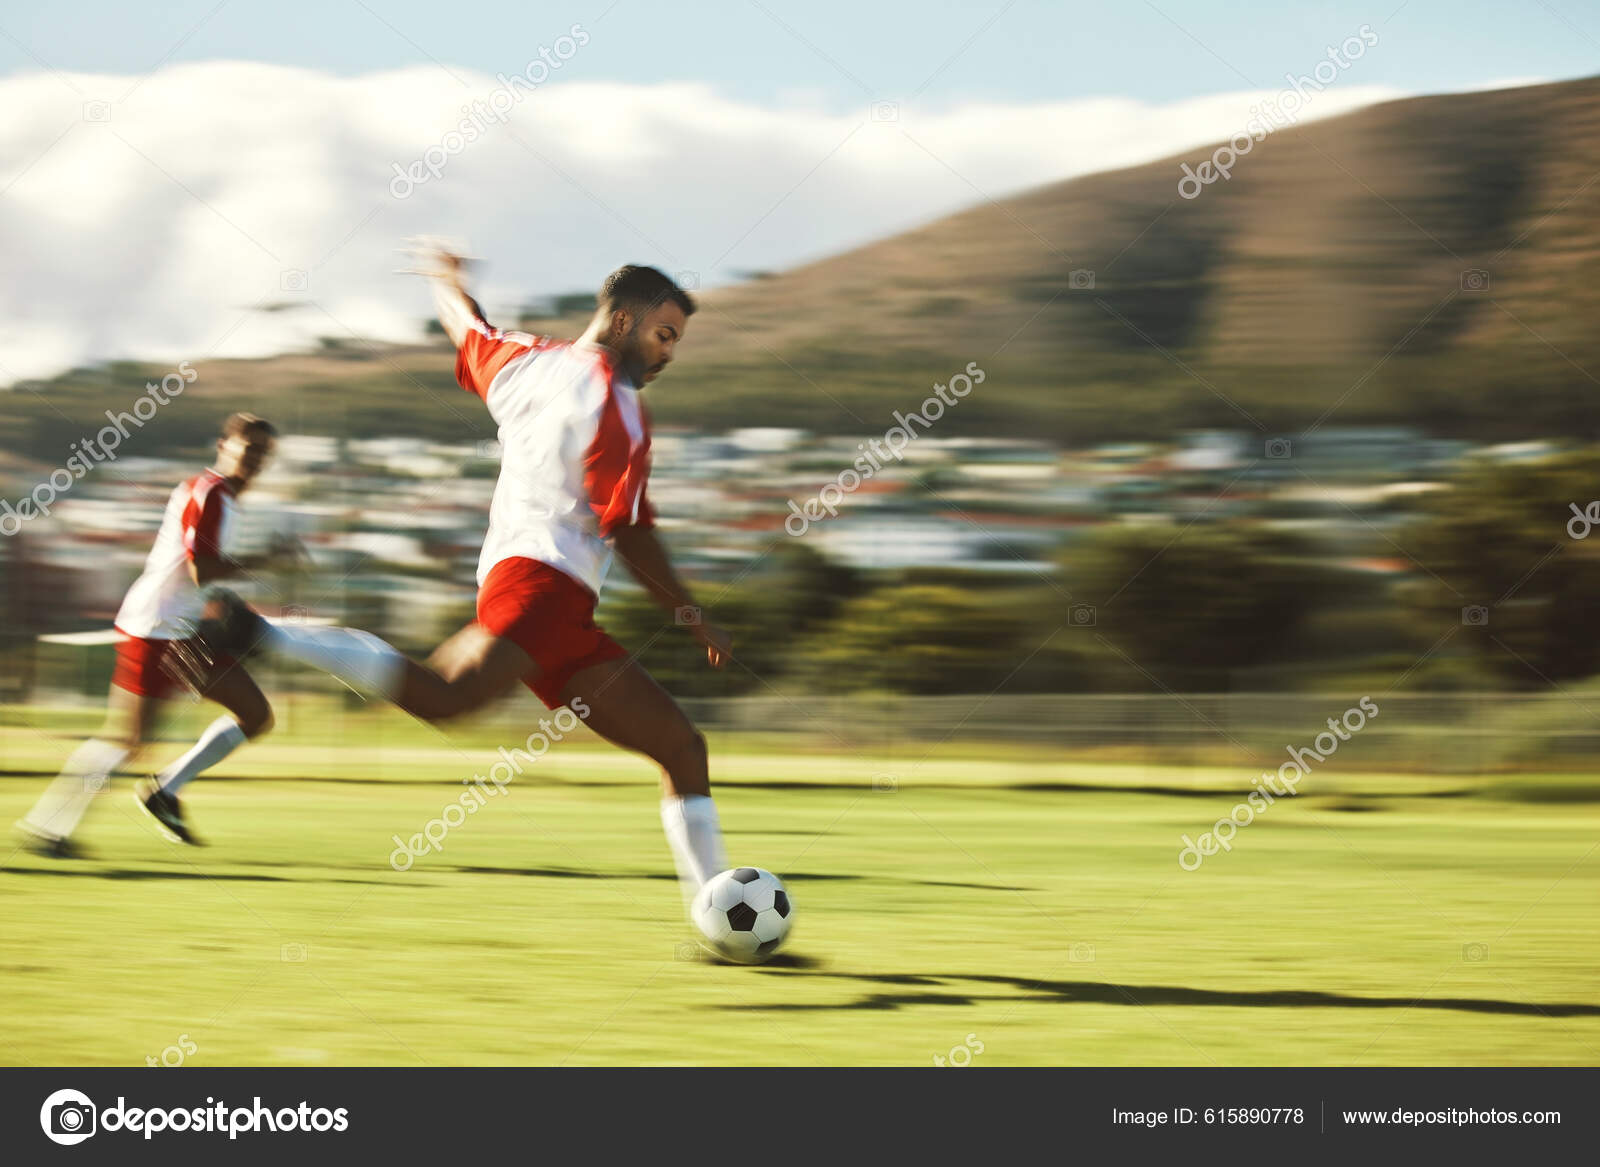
(154, 621)
(571, 492)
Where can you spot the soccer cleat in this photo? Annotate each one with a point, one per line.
(230, 627)
(49, 846)
(166, 810)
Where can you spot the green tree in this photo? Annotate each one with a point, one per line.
(920, 638)
(1189, 606)
(1501, 564)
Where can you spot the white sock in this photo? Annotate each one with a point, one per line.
(87, 773)
(220, 739)
(359, 659)
(695, 836)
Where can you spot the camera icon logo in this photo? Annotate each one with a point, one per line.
(294, 280)
(689, 281)
(97, 111)
(67, 1117)
(1080, 280)
(687, 950)
(1279, 448)
(1081, 954)
(1475, 616)
(1083, 615)
(885, 783)
(1475, 279)
(489, 450)
(1474, 953)
(885, 111)
(295, 614)
(292, 953)
(686, 616)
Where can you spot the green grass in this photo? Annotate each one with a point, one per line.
(1052, 924)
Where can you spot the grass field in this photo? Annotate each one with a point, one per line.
(1032, 903)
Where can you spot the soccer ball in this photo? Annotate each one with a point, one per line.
(743, 915)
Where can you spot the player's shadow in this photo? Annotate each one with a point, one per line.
(581, 873)
(795, 878)
(444, 868)
(793, 960)
(1108, 993)
(138, 873)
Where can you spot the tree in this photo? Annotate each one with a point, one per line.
(769, 612)
(920, 638)
(1501, 564)
(1189, 606)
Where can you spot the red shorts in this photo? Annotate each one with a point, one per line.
(140, 670)
(550, 616)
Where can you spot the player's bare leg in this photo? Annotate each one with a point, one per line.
(629, 709)
(249, 715)
(237, 692)
(464, 674)
(129, 720)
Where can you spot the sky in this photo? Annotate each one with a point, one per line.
(233, 178)
(830, 51)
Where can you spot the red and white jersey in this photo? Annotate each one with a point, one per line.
(164, 602)
(575, 450)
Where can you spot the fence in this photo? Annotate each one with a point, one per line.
(1415, 731)
(1432, 732)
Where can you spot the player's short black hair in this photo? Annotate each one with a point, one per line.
(642, 288)
(243, 424)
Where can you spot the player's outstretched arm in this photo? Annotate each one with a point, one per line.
(647, 561)
(446, 272)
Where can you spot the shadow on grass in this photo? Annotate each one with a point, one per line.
(580, 873)
(1109, 993)
(141, 873)
(789, 878)
(407, 878)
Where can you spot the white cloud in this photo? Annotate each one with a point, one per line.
(158, 233)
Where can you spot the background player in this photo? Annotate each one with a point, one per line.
(162, 606)
(571, 492)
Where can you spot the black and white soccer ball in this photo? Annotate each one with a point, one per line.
(743, 915)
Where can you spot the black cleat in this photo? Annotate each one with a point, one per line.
(166, 810)
(49, 846)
